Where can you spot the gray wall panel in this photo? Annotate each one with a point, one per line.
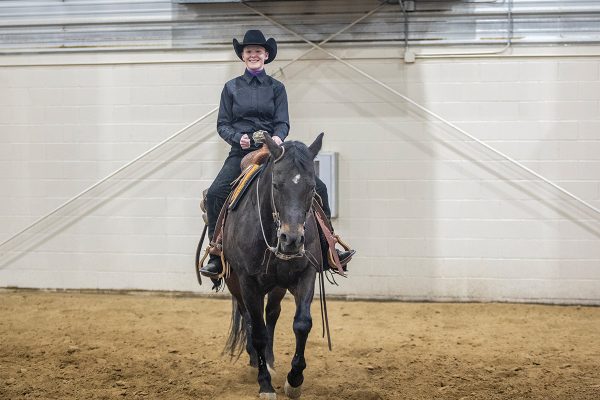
(49, 26)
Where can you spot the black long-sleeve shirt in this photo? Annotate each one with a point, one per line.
(250, 103)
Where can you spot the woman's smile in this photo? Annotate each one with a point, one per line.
(254, 57)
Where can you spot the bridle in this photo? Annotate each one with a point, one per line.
(277, 219)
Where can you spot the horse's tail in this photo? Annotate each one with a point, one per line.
(237, 332)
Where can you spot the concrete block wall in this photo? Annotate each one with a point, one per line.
(433, 215)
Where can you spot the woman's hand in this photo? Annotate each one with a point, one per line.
(245, 142)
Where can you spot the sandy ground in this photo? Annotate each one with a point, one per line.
(151, 346)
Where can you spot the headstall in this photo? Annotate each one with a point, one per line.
(276, 219)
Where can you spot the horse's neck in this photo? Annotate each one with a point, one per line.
(264, 193)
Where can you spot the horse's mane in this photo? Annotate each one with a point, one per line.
(299, 154)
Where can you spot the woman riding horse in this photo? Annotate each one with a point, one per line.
(251, 102)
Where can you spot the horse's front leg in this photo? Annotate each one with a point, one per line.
(272, 313)
(255, 302)
(303, 294)
(249, 346)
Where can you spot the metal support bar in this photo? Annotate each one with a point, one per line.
(367, 15)
(101, 181)
(170, 138)
(431, 113)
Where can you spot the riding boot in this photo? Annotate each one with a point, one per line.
(213, 267)
(344, 256)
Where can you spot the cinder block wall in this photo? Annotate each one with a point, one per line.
(433, 216)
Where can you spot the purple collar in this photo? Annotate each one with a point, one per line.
(256, 73)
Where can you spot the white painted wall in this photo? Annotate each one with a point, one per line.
(432, 216)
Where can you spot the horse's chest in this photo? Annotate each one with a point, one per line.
(278, 275)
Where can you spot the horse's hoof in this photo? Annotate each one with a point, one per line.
(271, 370)
(268, 396)
(292, 392)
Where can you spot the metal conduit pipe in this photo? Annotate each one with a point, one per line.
(434, 115)
(159, 145)
(223, 60)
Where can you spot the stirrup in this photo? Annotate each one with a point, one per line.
(224, 264)
(211, 269)
(345, 256)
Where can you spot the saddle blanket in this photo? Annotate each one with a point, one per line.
(242, 183)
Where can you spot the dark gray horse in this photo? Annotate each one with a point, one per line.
(272, 245)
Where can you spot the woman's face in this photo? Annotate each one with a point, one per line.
(254, 57)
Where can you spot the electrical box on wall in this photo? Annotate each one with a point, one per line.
(326, 169)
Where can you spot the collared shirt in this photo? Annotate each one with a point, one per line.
(250, 103)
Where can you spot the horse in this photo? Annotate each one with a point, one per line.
(271, 243)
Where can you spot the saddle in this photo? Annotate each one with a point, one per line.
(252, 166)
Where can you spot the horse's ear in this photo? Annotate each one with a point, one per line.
(315, 147)
(274, 149)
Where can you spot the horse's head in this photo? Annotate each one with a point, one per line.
(293, 189)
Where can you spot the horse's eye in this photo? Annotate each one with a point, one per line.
(277, 186)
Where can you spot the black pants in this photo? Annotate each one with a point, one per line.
(221, 187)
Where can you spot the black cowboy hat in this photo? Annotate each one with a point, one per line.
(256, 37)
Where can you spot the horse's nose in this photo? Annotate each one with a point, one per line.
(291, 241)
